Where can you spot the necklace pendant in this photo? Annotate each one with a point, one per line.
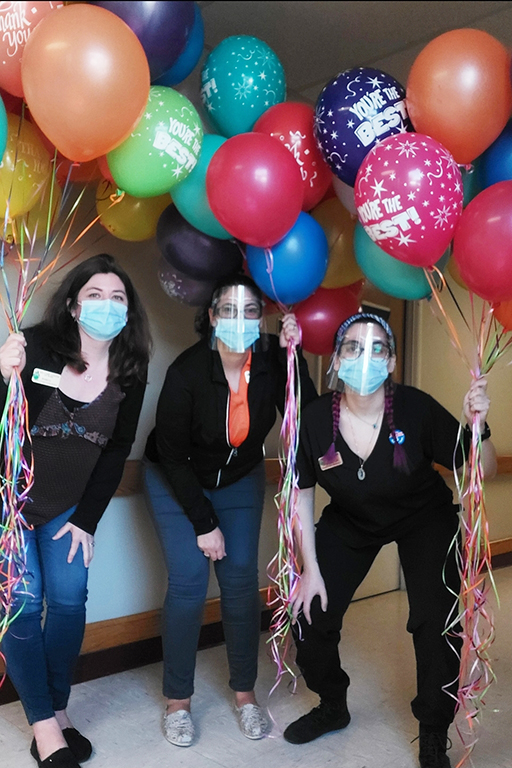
(361, 474)
(87, 377)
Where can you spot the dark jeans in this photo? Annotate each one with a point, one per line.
(239, 508)
(423, 554)
(41, 660)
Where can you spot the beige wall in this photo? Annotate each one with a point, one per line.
(438, 369)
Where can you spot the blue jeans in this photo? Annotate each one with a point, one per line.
(41, 660)
(239, 508)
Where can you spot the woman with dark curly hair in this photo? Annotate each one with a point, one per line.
(84, 370)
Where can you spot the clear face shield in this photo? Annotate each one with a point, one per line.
(361, 359)
(236, 319)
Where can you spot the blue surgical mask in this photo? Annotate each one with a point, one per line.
(364, 377)
(237, 335)
(102, 320)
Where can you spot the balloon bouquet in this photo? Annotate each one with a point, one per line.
(78, 106)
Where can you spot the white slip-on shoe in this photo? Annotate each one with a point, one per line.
(179, 728)
(253, 723)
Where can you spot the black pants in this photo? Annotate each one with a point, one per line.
(423, 555)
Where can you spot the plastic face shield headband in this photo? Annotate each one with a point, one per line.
(362, 356)
(236, 320)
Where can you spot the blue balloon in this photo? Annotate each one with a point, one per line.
(389, 275)
(187, 61)
(292, 269)
(241, 78)
(496, 161)
(190, 196)
(355, 110)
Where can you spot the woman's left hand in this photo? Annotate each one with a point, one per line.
(78, 536)
(476, 402)
(289, 330)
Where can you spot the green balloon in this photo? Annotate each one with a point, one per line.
(162, 149)
(389, 275)
(190, 196)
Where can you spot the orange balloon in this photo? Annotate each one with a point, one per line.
(459, 91)
(503, 314)
(338, 226)
(86, 80)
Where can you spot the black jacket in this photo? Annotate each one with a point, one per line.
(190, 440)
(108, 471)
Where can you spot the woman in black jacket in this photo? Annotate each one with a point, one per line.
(205, 484)
(84, 372)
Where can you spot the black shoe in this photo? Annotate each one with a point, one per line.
(433, 746)
(78, 744)
(62, 758)
(322, 719)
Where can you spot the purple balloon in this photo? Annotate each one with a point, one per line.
(357, 109)
(162, 28)
(194, 253)
(182, 287)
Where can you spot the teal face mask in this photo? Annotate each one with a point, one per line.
(237, 335)
(102, 320)
(364, 377)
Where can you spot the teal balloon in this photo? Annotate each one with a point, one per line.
(190, 196)
(389, 275)
(3, 128)
(241, 78)
(472, 182)
(162, 149)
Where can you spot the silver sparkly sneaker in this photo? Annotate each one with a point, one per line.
(253, 723)
(179, 728)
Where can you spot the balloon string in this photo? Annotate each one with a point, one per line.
(471, 618)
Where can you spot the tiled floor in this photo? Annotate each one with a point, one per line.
(122, 713)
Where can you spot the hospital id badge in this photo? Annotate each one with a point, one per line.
(46, 378)
(336, 461)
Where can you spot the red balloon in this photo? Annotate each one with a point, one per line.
(482, 247)
(291, 123)
(13, 104)
(255, 189)
(322, 313)
(104, 169)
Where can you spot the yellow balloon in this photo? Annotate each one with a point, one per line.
(34, 224)
(338, 225)
(132, 218)
(454, 272)
(24, 170)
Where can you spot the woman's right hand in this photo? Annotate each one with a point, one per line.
(12, 355)
(311, 584)
(212, 544)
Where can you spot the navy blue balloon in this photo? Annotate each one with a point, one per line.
(496, 162)
(292, 269)
(162, 28)
(355, 110)
(188, 60)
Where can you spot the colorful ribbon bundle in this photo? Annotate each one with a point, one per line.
(472, 610)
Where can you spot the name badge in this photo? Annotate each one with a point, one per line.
(336, 461)
(46, 378)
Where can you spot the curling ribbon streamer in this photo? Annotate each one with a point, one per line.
(284, 569)
(472, 610)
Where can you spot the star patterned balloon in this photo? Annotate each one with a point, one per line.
(162, 149)
(356, 109)
(409, 196)
(241, 78)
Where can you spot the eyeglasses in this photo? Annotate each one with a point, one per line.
(352, 349)
(230, 311)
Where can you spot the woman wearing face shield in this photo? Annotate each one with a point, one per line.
(205, 483)
(371, 445)
(84, 371)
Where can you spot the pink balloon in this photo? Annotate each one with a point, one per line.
(482, 247)
(408, 195)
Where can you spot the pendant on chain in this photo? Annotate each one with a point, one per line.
(361, 474)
